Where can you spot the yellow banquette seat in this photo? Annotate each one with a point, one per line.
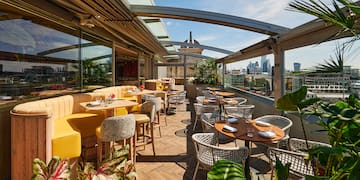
(52, 127)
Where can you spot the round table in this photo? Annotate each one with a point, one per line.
(242, 129)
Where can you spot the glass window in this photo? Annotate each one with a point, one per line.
(96, 60)
(39, 58)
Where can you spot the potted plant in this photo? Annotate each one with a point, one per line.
(296, 102)
(341, 120)
(117, 167)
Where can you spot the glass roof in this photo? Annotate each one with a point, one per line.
(221, 36)
(155, 25)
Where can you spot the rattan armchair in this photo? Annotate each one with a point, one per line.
(297, 156)
(207, 153)
(299, 165)
(280, 121)
(176, 100)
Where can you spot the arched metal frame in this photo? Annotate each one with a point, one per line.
(208, 17)
(224, 51)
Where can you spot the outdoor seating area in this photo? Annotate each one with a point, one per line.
(227, 131)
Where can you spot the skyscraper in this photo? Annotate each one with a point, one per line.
(265, 64)
(297, 67)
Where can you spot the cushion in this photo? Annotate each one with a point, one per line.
(121, 111)
(84, 123)
(141, 118)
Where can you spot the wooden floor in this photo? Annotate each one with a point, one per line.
(175, 157)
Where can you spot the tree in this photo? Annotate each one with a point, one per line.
(206, 72)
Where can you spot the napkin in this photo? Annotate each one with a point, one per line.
(232, 120)
(260, 123)
(267, 134)
(227, 128)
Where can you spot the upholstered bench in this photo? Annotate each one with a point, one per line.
(51, 127)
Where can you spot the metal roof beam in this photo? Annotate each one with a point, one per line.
(208, 17)
(190, 54)
(224, 51)
(172, 64)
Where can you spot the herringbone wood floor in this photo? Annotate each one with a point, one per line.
(175, 156)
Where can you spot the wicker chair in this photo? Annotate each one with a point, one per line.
(175, 100)
(200, 99)
(240, 101)
(198, 108)
(240, 111)
(297, 156)
(299, 145)
(280, 121)
(207, 153)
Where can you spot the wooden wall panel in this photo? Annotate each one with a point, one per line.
(27, 142)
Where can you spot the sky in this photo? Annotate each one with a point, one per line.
(270, 11)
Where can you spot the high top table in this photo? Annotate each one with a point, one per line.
(109, 107)
(242, 130)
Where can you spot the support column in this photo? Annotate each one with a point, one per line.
(113, 67)
(279, 70)
(141, 60)
(224, 72)
(185, 72)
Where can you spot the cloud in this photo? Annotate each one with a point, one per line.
(271, 11)
(168, 23)
(206, 38)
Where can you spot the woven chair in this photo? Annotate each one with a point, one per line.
(240, 100)
(207, 153)
(113, 129)
(297, 156)
(200, 99)
(299, 145)
(176, 100)
(240, 111)
(146, 117)
(280, 121)
(198, 109)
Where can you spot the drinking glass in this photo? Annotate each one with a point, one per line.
(250, 131)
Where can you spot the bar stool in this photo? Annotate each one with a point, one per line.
(157, 102)
(143, 118)
(164, 101)
(113, 129)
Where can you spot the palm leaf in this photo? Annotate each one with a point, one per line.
(225, 169)
(333, 65)
(291, 101)
(337, 17)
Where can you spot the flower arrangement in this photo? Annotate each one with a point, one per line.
(111, 96)
(142, 87)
